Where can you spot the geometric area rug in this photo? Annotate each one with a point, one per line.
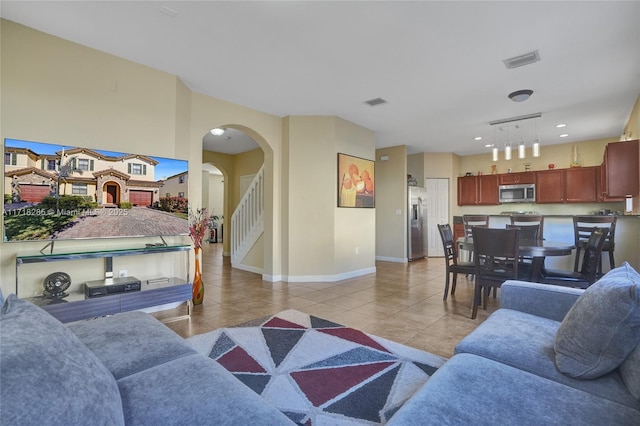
(318, 372)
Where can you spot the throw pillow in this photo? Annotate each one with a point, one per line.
(602, 327)
(47, 376)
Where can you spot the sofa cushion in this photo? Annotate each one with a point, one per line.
(130, 342)
(525, 341)
(472, 390)
(630, 372)
(193, 390)
(47, 376)
(602, 327)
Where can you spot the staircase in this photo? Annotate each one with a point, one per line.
(247, 222)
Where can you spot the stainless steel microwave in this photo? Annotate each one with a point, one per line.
(517, 193)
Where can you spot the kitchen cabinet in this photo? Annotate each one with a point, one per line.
(517, 178)
(575, 185)
(620, 170)
(478, 190)
(550, 186)
(581, 185)
(467, 190)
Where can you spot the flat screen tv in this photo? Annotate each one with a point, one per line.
(56, 192)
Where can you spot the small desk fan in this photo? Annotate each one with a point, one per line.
(55, 285)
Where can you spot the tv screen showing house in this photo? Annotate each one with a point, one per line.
(65, 192)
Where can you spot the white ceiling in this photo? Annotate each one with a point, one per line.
(438, 64)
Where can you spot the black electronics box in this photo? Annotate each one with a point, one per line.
(111, 286)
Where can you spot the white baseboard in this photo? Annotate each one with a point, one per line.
(328, 278)
(247, 268)
(392, 259)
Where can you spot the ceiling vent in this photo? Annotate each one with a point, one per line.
(375, 102)
(519, 61)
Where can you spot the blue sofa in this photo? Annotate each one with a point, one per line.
(124, 369)
(508, 370)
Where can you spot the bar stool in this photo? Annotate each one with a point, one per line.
(582, 227)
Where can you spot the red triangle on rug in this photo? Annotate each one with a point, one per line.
(356, 336)
(238, 360)
(276, 322)
(322, 385)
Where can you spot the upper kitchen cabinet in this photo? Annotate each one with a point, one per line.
(620, 170)
(517, 178)
(478, 190)
(550, 186)
(581, 184)
(575, 185)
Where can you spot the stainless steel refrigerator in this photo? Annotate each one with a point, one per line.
(417, 223)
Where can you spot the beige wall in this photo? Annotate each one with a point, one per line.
(589, 154)
(632, 129)
(391, 197)
(324, 241)
(60, 92)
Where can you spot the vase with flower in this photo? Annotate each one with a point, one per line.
(198, 225)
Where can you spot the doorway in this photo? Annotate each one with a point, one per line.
(112, 194)
(437, 213)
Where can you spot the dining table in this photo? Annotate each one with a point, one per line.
(537, 250)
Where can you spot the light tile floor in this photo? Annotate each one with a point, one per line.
(400, 302)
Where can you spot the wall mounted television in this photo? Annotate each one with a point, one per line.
(57, 192)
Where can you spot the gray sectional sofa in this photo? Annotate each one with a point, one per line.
(536, 361)
(124, 369)
(508, 370)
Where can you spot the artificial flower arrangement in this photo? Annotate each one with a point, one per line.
(199, 221)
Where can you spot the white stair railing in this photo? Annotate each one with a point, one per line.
(247, 222)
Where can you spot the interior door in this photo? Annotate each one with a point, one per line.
(437, 213)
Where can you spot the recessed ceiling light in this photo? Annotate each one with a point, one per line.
(561, 125)
(217, 131)
(477, 138)
(564, 135)
(489, 145)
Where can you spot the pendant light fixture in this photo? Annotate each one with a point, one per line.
(536, 142)
(494, 153)
(522, 153)
(507, 151)
(536, 148)
(507, 147)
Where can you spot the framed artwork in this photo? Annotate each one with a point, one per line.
(356, 182)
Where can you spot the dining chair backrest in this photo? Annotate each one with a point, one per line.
(496, 253)
(447, 243)
(583, 225)
(527, 232)
(471, 221)
(592, 253)
(529, 219)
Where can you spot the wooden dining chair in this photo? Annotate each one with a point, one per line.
(496, 260)
(529, 220)
(453, 267)
(582, 227)
(588, 272)
(470, 221)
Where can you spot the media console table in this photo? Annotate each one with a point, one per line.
(154, 292)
